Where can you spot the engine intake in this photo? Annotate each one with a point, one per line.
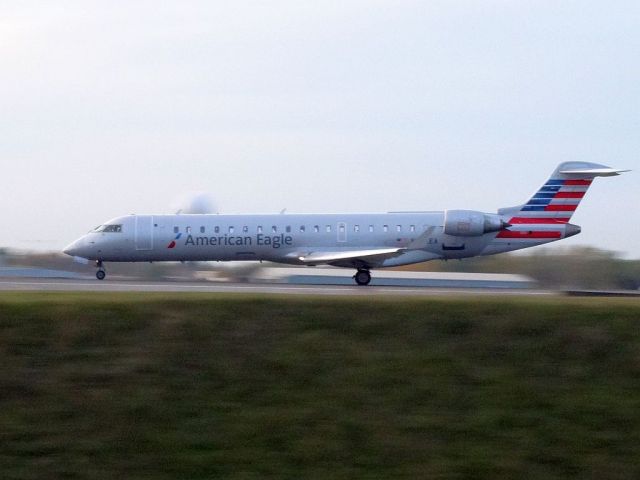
(470, 223)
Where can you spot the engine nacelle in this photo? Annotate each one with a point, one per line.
(469, 223)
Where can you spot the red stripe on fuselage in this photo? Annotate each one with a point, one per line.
(560, 208)
(537, 221)
(528, 234)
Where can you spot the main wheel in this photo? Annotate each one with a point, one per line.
(100, 274)
(362, 277)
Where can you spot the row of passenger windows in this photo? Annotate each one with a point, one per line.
(301, 229)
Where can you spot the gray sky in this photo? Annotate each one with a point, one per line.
(111, 108)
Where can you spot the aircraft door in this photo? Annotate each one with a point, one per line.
(144, 232)
(342, 232)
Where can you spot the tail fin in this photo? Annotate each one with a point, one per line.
(557, 200)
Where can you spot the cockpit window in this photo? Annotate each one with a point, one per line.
(108, 228)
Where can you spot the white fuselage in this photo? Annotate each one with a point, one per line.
(286, 237)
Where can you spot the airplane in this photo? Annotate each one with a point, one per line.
(360, 241)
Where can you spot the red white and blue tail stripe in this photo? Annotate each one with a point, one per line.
(555, 202)
(545, 217)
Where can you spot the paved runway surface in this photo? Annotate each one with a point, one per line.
(90, 285)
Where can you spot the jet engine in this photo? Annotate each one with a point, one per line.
(469, 223)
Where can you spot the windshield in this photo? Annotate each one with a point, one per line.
(108, 228)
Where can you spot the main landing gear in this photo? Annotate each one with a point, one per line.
(362, 277)
(101, 273)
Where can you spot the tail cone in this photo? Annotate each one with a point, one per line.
(571, 230)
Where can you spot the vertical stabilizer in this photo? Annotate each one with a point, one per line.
(545, 217)
(556, 201)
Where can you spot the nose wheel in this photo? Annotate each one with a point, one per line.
(362, 277)
(101, 273)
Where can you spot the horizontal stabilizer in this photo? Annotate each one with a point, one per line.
(594, 172)
(328, 257)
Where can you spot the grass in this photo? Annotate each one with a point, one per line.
(222, 386)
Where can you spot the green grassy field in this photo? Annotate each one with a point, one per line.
(211, 386)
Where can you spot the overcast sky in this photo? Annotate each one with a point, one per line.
(118, 107)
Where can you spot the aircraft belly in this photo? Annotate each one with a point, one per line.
(407, 258)
(502, 246)
(453, 247)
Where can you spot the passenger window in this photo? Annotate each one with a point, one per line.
(341, 228)
(371, 228)
(288, 229)
(259, 228)
(201, 229)
(274, 229)
(302, 228)
(188, 230)
(316, 228)
(245, 229)
(216, 229)
(398, 228)
(412, 228)
(231, 229)
(385, 228)
(356, 228)
(176, 229)
(328, 228)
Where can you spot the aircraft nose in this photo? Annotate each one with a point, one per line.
(74, 249)
(70, 249)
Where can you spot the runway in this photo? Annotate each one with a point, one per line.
(90, 285)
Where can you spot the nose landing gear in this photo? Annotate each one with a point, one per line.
(101, 273)
(362, 277)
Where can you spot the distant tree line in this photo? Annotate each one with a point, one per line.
(581, 267)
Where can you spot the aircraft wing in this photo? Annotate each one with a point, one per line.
(336, 256)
